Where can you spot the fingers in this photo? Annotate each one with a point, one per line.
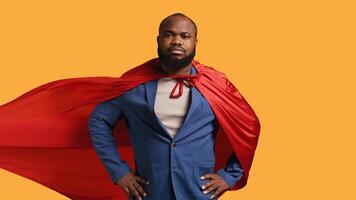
(216, 183)
(208, 176)
(210, 186)
(132, 184)
(133, 189)
(217, 192)
(141, 180)
(139, 188)
(127, 191)
(207, 185)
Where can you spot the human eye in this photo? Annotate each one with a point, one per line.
(185, 36)
(167, 34)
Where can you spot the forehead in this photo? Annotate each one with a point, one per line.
(177, 24)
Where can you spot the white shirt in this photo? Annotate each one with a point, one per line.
(171, 111)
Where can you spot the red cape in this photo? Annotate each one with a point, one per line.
(44, 132)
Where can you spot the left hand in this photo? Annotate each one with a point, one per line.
(216, 183)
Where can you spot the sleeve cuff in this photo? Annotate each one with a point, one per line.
(120, 172)
(229, 179)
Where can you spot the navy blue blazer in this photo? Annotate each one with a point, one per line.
(173, 166)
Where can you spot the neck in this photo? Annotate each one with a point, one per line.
(171, 71)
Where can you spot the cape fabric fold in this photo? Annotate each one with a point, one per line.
(44, 133)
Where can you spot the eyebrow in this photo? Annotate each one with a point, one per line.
(168, 31)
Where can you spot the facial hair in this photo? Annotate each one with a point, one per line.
(176, 64)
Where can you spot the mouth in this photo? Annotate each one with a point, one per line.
(176, 51)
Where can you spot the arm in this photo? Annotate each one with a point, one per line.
(232, 172)
(102, 121)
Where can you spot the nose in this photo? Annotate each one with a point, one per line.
(176, 41)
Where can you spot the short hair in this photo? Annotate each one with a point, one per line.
(180, 15)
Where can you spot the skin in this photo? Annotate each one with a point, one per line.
(133, 183)
(178, 32)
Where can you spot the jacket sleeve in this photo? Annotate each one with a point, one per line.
(232, 172)
(101, 123)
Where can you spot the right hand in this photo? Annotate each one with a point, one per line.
(131, 183)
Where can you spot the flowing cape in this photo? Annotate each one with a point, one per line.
(44, 132)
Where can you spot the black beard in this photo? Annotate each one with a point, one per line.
(176, 64)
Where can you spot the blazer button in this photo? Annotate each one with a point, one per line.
(173, 144)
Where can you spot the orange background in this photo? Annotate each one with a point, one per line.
(294, 61)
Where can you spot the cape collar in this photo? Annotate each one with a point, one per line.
(189, 79)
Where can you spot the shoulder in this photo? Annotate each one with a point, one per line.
(209, 71)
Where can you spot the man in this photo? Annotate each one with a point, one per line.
(171, 125)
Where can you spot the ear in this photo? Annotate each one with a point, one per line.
(196, 40)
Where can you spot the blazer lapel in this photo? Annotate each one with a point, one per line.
(151, 89)
(194, 105)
